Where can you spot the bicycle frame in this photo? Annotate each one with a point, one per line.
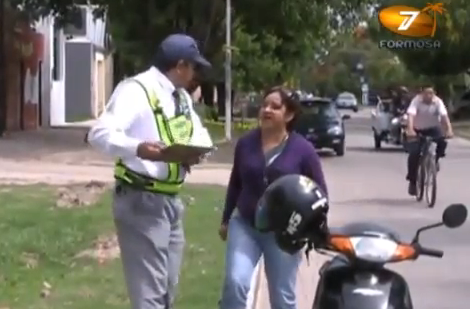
(427, 170)
(428, 148)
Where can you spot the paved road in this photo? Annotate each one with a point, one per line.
(366, 185)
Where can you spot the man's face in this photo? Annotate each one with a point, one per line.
(185, 73)
(427, 94)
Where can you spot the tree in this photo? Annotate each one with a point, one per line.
(64, 10)
(337, 71)
(254, 64)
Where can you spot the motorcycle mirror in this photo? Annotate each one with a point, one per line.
(425, 228)
(454, 215)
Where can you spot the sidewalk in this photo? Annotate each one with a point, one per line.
(307, 279)
(60, 173)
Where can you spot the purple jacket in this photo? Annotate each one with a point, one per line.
(247, 180)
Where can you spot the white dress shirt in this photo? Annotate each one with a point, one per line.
(128, 120)
(426, 115)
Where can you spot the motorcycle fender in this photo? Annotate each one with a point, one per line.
(345, 287)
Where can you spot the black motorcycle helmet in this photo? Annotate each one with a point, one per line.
(295, 209)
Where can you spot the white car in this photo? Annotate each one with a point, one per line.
(347, 100)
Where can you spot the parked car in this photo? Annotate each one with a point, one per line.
(347, 100)
(321, 123)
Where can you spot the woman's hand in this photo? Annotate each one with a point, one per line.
(223, 229)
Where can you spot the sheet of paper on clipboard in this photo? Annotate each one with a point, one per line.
(182, 153)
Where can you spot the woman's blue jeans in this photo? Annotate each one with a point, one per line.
(245, 245)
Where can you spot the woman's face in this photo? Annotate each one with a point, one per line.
(273, 113)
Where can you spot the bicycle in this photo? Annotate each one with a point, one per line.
(426, 182)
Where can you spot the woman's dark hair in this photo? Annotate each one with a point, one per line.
(289, 99)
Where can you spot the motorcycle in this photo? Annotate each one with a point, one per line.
(388, 128)
(398, 129)
(357, 278)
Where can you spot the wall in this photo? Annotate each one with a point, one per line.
(79, 80)
(109, 75)
(31, 47)
(23, 51)
(44, 26)
(57, 76)
(12, 81)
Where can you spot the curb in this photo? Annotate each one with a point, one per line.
(110, 164)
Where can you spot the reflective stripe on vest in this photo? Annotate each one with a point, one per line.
(178, 129)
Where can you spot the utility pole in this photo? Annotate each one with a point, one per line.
(228, 70)
(3, 73)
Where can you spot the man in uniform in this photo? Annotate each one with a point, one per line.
(146, 113)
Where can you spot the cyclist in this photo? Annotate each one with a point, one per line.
(427, 114)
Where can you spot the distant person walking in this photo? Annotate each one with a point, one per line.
(261, 156)
(146, 113)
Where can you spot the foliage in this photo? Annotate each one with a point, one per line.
(64, 10)
(254, 65)
(273, 38)
(337, 71)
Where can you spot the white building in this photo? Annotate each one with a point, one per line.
(76, 74)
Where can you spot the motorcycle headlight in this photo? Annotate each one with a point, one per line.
(373, 249)
(335, 130)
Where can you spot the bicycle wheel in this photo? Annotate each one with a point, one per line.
(420, 181)
(431, 181)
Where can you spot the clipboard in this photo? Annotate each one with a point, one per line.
(181, 153)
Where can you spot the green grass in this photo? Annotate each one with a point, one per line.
(217, 129)
(32, 228)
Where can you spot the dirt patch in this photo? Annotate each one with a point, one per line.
(80, 195)
(30, 260)
(104, 249)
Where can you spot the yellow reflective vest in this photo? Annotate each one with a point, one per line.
(178, 129)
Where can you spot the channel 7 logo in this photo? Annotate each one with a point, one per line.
(411, 22)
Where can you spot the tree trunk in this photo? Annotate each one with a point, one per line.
(207, 93)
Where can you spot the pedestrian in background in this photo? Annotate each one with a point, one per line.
(146, 113)
(261, 156)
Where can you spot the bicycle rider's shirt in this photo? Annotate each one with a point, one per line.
(426, 116)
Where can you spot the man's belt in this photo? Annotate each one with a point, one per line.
(146, 183)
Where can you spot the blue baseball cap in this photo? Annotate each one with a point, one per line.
(181, 47)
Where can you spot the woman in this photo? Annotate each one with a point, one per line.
(261, 156)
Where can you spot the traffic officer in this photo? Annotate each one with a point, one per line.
(144, 114)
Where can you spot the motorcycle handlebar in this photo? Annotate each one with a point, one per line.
(430, 252)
